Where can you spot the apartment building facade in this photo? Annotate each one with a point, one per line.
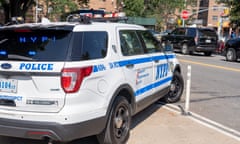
(108, 5)
(212, 14)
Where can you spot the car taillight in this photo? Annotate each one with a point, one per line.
(71, 78)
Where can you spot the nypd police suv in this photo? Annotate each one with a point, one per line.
(67, 80)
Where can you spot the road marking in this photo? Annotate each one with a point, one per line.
(210, 65)
(206, 122)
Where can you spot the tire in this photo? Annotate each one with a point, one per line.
(118, 126)
(176, 89)
(207, 53)
(231, 55)
(185, 49)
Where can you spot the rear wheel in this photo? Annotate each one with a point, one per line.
(207, 53)
(118, 126)
(231, 55)
(176, 89)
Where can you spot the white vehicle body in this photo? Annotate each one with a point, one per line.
(34, 104)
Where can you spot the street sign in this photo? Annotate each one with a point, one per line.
(185, 15)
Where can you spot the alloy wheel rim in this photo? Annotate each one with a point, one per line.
(121, 122)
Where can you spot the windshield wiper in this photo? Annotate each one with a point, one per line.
(3, 41)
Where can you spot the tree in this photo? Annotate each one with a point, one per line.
(162, 10)
(54, 8)
(133, 7)
(57, 9)
(165, 11)
(14, 8)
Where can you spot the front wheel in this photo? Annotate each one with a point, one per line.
(207, 53)
(231, 55)
(176, 89)
(118, 126)
(185, 49)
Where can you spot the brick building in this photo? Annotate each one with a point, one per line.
(108, 5)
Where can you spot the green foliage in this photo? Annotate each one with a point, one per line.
(134, 7)
(83, 3)
(162, 10)
(60, 7)
(14, 8)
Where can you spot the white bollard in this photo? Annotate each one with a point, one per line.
(187, 100)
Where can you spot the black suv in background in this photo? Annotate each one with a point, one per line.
(191, 39)
(232, 49)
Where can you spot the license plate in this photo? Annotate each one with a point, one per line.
(8, 85)
(208, 41)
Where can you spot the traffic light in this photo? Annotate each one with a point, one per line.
(179, 22)
(226, 11)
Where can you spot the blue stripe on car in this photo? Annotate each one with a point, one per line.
(152, 86)
(123, 63)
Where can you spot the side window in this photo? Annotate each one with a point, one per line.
(89, 45)
(181, 31)
(130, 44)
(174, 32)
(191, 32)
(151, 44)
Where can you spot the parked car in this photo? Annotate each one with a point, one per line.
(191, 39)
(156, 34)
(232, 49)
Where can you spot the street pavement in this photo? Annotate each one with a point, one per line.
(163, 125)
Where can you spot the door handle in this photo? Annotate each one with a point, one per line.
(130, 65)
(156, 61)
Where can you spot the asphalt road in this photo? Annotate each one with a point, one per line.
(215, 92)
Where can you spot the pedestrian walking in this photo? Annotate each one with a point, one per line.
(233, 35)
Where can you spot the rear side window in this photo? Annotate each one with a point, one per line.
(151, 44)
(34, 45)
(179, 31)
(89, 45)
(191, 32)
(130, 43)
(207, 32)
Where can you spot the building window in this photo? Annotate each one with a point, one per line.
(215, 18)
(215, 8)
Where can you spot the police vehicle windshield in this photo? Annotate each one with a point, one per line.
(52, 45)
(34, 45)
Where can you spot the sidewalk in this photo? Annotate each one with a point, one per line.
(160, 125)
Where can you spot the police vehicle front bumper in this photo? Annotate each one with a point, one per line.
(50, 130)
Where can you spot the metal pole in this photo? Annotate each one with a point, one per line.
(185, 5)
(187, 100)
(36, 16)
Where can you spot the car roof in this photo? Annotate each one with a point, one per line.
(197, 28)
(68, 25)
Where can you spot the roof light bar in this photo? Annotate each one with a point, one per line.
(88, 18)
